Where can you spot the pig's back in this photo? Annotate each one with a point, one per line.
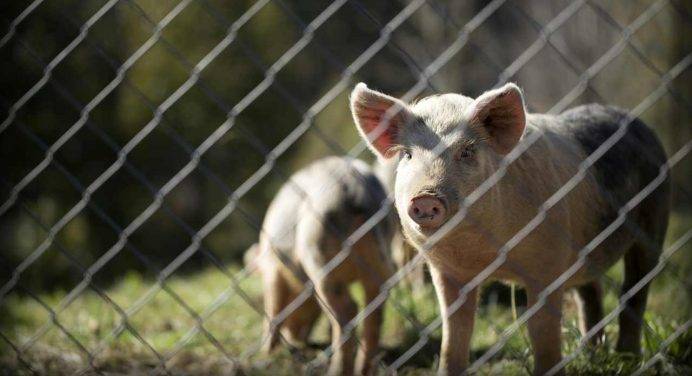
(335, 189)
(630, 163)
(280, 221)
(621, 173)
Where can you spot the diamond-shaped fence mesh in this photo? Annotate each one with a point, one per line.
(143, 141)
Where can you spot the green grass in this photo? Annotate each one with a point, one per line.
(163, 323)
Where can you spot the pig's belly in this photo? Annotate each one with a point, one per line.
(467, 265)
(524, 266)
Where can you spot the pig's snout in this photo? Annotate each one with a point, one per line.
(427, 211)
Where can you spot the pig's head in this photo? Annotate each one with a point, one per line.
(446, 146)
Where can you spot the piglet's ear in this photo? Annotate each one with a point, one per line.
(501, 114)
(379, 118)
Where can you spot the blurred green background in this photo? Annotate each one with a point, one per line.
(511, 34)
(546, 78)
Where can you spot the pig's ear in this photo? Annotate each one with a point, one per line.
(501, 114)
(379, 118)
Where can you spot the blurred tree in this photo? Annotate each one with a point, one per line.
(267, 105)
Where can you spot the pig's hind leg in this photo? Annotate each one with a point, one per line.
(299, 324)
(639, 261)
(276, 297)
(333, 294)
(650, 230)
(281, 295)
(590, 303)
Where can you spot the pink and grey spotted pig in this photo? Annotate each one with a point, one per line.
(310, 224)
(447, 145)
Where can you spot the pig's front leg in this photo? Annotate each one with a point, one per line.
(457, 321)
(544, 329)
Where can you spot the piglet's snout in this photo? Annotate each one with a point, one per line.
(427, 211)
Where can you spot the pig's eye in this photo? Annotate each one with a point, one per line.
(407, 154)
(465, 153)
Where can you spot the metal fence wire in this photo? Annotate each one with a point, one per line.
(151, 136)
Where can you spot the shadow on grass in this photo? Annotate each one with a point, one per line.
(424, 358)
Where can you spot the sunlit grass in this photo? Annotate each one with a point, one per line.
(167, 328)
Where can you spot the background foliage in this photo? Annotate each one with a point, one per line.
(490, 50)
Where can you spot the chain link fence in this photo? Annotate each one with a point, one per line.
(142, 142)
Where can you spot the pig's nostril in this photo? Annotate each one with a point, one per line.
(435, 210)
(416, 210)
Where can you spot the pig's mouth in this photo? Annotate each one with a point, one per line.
(420, 234)
(427, 230)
